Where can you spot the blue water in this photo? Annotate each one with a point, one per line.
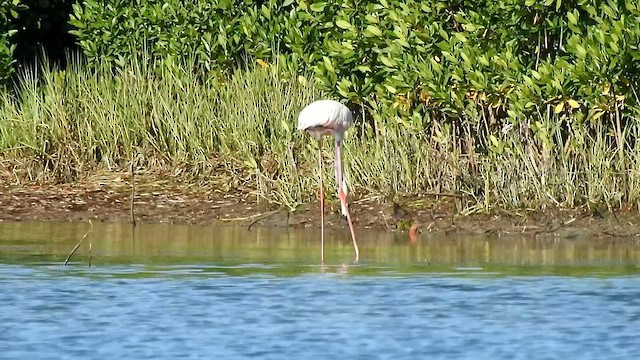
(289, 308)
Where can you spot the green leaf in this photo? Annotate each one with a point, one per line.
(342, 24)
(597, 115)
(77, 23)
(371, 18)
(285, 126)
(328, 64)
(345, 83)
(443, 34)
(374, 30)
(614, 47)
(390, 88)
(464, 57)
(535, 74)
(460, 37)
(558, 109)
(318, 7)
(572, 18)
(494, 140)
(469, 27)
(265, 11)
(388, 61)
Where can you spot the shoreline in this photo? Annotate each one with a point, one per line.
(107, 198)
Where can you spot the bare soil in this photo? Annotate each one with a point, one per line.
(107, 198)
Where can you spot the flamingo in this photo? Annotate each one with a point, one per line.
(329, 117)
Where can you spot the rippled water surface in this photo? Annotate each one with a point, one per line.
(166, 292)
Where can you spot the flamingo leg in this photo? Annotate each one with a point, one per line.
(343, 196)
(321, 203)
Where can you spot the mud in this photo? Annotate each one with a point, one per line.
(108, 199)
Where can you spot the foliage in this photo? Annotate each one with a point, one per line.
(219, 34)
(511, 103)
(404, 60)
(8, 13)
(414, 62)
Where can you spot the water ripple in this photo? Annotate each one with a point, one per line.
(231, 294)
(172, 312)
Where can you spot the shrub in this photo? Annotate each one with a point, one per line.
(417, 61)
(406, 61)
(218, 34)
(8, 13)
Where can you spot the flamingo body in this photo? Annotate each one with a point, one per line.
(325, 117)
(329, 117)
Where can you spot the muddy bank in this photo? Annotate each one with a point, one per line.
(108, 199)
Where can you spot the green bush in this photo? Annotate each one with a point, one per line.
(8, 13)
(406, 61)
(416, 61)
(218, 34)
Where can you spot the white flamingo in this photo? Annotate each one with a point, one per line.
(328, 117)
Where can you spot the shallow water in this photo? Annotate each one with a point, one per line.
(166, 291)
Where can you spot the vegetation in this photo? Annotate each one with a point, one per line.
(526, 110)
(31, 28)
(83, 118)
(413, 61)
(8, 11)
(73, 121)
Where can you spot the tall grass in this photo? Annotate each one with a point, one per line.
(64, 125)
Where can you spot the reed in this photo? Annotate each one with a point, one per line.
(63, 125)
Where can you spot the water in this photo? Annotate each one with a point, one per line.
(166, 292)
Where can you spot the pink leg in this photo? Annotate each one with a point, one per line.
(321, 203)
(343, 195)
(343, 199)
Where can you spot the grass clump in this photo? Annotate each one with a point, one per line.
(69, 123)
(61, 126)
